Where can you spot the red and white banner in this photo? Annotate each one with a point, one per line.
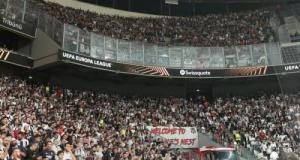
(180, 137)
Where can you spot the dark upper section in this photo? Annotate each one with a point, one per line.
(185, 7)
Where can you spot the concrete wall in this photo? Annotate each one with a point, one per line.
(100, 9)
(44, 50)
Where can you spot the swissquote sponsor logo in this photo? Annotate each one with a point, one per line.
(292, 67)
(185, 72)
(182, 72)
(86, 60)
(12, 24)
(4, 53)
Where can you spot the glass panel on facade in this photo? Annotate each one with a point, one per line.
(230, 57)
(58, 31)
(3, 4)
(15, 10)
(123, 51)
(71, 38)
(244, 56)
(49, 25)
(150, 54)
(163, 56)
(175, 54)
(189, 57)
(291, 54)
(259, 56)
(137, 56)
(97, 46)
(273, 54)
(84, 42)
(42, 21)
(31, 13)
(110, 49)
(216, 57)
(203, 57)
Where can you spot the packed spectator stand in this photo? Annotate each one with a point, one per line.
(40, 121)
(46, 122)
(241, 28)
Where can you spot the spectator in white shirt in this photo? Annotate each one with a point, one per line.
(274, 155)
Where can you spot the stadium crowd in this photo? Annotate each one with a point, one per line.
(241, 28)
(43, 122)
(266, 125)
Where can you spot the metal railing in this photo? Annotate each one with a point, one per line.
(106, 48)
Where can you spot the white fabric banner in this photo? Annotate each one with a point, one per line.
(171, 2)
(180, 137)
